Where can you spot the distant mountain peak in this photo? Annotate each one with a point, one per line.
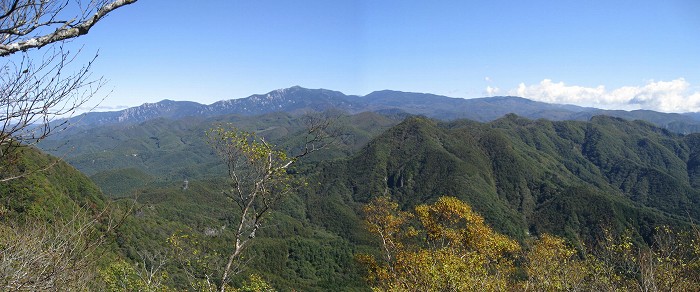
(297, 99)
(283, 91)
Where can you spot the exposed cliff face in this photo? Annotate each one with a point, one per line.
(291, 100)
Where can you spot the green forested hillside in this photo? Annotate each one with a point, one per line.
(121, 159)
(527, 178)
(45, 188)
(55, 225)
(524, 176)
(289, 252)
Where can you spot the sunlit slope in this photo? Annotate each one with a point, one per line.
(45, 188)
(570, 178)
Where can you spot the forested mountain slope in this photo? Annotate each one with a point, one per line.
(121, 158)
(568, 178)
(533, 176)
(45, 187)
(526, 177)
(55, 225)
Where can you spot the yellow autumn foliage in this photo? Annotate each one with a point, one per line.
(451, 250)
(446, 246)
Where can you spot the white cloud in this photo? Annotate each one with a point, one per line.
(492, 91)
(111, 107)
(101, 108)
(487, 79)
(665, 96)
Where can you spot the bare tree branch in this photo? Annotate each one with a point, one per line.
(321, 132)
(35, 88)
(259, 178)
(62, 255)
(33, 95)
(23, 18)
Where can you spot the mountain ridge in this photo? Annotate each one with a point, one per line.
(298, 100)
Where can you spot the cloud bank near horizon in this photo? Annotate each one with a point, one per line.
(100, 108)
(664, 96)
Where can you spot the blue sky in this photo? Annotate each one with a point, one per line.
(609, 54)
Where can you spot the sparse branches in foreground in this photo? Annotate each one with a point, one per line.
(258, 179)
(322, 130)
(38, 255)
(33, 95)
(35, 88)
(32, 24)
